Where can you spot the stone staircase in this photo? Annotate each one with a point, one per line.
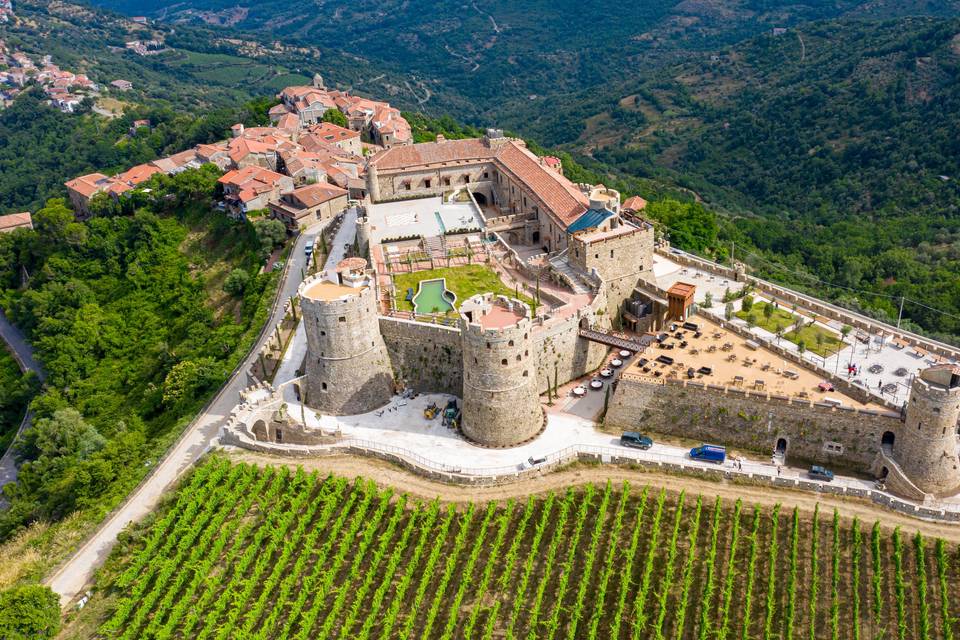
(568, 274)
(434, 247)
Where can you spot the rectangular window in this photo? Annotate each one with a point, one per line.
(342, 319)
(426, 183)
(611, 253)
(832, 448)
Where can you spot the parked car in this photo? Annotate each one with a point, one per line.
(709, 453)
(635, 440)
(820, 473)
(308, 248)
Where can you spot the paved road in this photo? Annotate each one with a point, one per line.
(23, 354)
(77, 572)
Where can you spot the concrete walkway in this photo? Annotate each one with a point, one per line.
(23, 354)
(73, 576)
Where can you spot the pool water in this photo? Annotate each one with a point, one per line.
(433, 297)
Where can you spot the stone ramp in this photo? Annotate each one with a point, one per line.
(568, 274)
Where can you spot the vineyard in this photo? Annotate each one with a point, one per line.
(245, 552)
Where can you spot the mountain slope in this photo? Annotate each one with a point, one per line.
(475, 58)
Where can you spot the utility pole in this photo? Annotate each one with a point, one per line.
(900, 317)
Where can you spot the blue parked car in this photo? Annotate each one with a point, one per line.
(709, 453)
(820, 473)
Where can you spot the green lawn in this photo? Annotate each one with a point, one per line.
(809, 334)
(780, 317)
(465, 281)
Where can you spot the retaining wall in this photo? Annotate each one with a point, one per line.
(814, 432)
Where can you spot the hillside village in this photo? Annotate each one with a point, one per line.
(300, 168)
(65, 89)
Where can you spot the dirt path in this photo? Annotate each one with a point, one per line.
(386, 474)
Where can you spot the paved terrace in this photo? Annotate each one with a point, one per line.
(425, 217)
(885, 366)
(734, 363)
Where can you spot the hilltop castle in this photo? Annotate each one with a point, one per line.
(498, 354)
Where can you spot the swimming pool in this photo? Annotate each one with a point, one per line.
(433, 297)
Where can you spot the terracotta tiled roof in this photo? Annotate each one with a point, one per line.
(316, 194)
(249, 182)
(16, 221)
(333, 133)
(89, 184)
(432, 153)
(136, 175)
(636, 203)
(289, 122)
(562, 198)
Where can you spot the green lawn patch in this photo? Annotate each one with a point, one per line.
(808, 334)
(465, 281)
(780, 317)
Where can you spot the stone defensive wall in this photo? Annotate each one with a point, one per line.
(563, 354)
(429, 357)
(855, 320)
(842, 437)
(425, 357)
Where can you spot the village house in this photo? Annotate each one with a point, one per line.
(635, 204)
(82, 189)
(122, 85)
(15, 221)
(345, 139)
(252, 188)
(308, 204)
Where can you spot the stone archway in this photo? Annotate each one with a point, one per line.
(781, 446)
(480, 198)
(887, 440)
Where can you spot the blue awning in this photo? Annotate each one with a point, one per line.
(590, 219)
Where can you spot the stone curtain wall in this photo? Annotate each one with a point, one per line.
(561, 350)
(564, 354)
(751, 421)
(426, 357)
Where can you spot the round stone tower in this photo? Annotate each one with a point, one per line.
(501, 406)
(347, 367)
(926, 449)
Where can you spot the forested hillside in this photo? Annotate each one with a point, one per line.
(479, 59)
(130, 319)
(832, 148)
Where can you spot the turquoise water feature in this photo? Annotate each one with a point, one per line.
(433, 297)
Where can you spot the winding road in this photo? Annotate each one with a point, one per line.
(72, 577)
(23, 354)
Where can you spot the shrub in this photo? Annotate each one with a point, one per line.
(236, 283)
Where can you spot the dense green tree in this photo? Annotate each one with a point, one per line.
(236, 282)
(29, 612)
(334, 116)
(271, 234)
